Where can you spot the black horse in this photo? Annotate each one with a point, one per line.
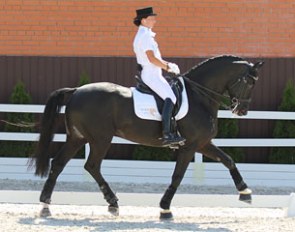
(97, 112)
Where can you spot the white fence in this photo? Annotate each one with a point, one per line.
(160, 172)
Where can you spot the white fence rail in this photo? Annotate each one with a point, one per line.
(160, 172)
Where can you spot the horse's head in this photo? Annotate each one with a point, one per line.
(240, 90)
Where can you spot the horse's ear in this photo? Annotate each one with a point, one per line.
(258, 65)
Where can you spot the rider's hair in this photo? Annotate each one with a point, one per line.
(137, 21)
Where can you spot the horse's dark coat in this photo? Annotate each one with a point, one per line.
(97, 112)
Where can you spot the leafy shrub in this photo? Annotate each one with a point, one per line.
(152, 153)
(14, 148)
(228, 128)
(84, 79)
(285, 128)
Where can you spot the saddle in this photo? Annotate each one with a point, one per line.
(175, 85)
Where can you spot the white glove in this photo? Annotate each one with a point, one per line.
(173, 68)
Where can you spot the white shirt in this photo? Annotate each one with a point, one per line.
(151, 74)
(144, 41)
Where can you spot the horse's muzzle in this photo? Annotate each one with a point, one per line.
(240, 109)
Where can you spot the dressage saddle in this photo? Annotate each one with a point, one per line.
(175, 85)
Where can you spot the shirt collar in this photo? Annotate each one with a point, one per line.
(148, 30)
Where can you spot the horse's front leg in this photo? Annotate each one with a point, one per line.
(183, 160)
(217, 154)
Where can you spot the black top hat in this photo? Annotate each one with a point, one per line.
(143, 13)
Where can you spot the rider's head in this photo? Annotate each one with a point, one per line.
(145, 17)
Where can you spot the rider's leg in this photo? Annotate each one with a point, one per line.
(168, 136)
(160, 86)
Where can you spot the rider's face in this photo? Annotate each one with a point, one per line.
(149, 21)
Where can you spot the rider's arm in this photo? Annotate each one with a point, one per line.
(155, 61)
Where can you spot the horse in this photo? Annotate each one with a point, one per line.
(96, 112)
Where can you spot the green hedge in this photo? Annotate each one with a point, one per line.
(18, 148)
(285, 128)
(152, 153)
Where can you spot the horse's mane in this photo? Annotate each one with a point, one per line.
(204, 65)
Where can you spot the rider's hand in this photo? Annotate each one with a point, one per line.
(173, 68)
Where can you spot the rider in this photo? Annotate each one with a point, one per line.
(149, 57)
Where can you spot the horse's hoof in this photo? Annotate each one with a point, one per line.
(245, 195)
(166, 215)
(113, 210)
(45, 212)
(247, 198)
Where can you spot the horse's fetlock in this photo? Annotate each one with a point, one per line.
(165, 204)
(113, 201)
(45, 199)
(241, 186)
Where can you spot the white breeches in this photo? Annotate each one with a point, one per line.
(152, 76)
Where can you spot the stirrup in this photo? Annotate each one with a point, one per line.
(172, 140)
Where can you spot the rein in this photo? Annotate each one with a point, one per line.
(205, 91)
(235, 101)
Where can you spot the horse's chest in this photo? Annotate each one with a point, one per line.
(209, 127)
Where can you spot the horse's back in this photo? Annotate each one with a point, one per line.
(104, 88)
(98, 105)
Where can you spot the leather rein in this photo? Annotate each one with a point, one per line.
(235, 101)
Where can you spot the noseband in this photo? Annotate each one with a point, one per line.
(242, 85)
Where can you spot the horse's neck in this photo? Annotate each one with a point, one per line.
(215, 84)
(202, 97)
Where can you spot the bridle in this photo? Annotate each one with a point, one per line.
(242, 84)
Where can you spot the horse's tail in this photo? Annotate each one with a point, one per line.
(42, 156)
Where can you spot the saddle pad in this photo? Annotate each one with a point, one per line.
(145, 106)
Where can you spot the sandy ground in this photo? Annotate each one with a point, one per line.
(25, 217)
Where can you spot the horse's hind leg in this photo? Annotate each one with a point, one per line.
(68, 150)
(218, 155)
(93, 166)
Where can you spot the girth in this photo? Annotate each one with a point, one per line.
(175, 85)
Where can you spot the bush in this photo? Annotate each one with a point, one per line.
(14, 148)
(228, 128)
(84, 79)
(285, 128)
(152, 153)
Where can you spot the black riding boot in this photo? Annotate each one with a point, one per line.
(169, 138)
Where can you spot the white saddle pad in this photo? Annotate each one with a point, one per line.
(145, 105)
